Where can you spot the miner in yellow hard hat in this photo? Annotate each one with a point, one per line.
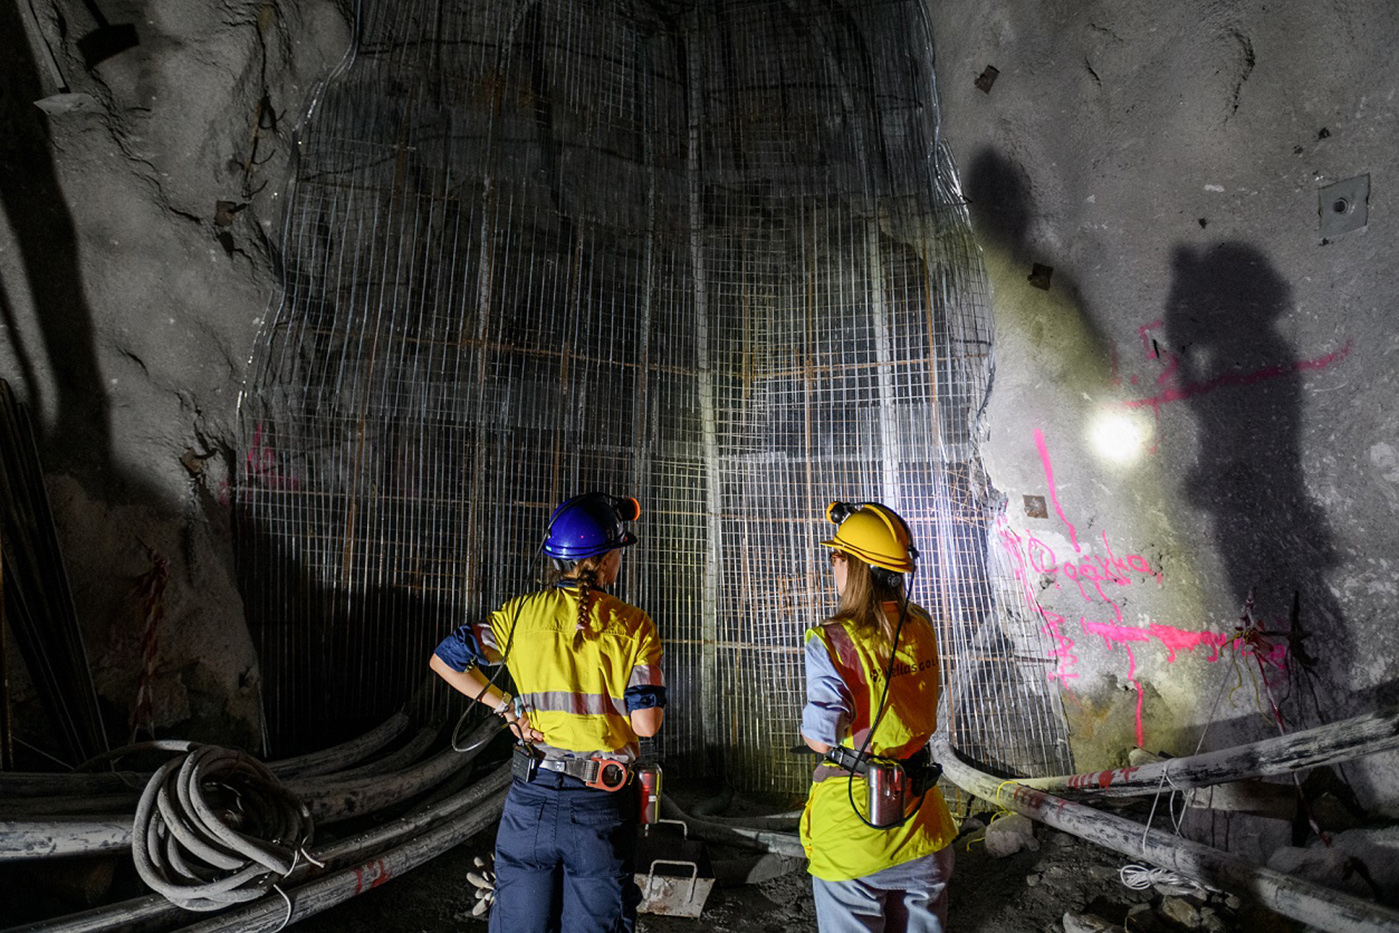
(876, 829)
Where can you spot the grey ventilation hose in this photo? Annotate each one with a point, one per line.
(479, 802)
(215, 828)
(335, 760)
(329, 799)
(734, 832)
(1314, 905)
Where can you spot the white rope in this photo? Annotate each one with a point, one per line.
(1155, 798)
(1141, 877)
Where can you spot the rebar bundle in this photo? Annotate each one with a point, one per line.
(709, 255)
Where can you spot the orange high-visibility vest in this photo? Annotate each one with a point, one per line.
(838, 843)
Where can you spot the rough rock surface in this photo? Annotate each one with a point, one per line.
(136, 203)
(1200, 390)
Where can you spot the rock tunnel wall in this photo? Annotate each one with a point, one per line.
(1194, 355)
(1191, 412)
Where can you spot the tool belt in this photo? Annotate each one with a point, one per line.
(600, 773)
(922, 771)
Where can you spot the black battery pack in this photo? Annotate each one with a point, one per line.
(524, 763)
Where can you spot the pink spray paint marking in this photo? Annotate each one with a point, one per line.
(1053, 492)
(1053, 623)
(1037, 556)
(1114, 632)
(1064, 650)
(1151, 350)
(1175, 639)
(1170, 388)
(1192, 389)
(1095, 571)
(261, 463)
(1149, 346)
(1178, 639)
(1091, 574)
(1111, 569)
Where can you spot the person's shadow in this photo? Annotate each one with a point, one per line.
(77, 439)
(1239, 376)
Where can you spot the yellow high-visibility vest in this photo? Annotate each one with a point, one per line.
(838, 843)
(576, 696)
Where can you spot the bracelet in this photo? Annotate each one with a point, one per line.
(505, 701)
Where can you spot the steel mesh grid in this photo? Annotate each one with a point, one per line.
(532, 249)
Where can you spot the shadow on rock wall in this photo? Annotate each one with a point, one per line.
(1037, 304)
(999, 197)
(1241, 380)
(336, 660)
(35, 208)
(50, 346)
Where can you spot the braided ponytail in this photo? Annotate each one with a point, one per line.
(585, 575)
(587, 582)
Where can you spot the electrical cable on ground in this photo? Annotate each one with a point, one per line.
(1140, 877)
(475, 806)
(216, 828)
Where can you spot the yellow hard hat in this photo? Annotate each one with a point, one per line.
(873, 533)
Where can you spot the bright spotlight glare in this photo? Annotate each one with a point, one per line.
(1119, 437)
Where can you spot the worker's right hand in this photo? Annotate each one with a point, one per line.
(523, 730)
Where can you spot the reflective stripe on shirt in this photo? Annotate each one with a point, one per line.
(580, 704)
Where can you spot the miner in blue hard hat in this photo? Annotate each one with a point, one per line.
(588, 525)
(588, 670)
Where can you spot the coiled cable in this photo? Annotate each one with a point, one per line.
(1141, 877)
(216, 828)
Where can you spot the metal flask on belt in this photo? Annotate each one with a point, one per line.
(888, 786)
(648, 783)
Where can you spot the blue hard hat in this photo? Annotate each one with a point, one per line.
(588, 525)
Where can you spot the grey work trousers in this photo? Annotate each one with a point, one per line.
(907, 898)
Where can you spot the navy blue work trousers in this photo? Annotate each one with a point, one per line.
(564, 858)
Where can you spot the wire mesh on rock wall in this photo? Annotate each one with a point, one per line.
(710, 255)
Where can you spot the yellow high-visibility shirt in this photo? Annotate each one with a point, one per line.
(577, 697)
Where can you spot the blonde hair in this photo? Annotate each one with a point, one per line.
(862, 602)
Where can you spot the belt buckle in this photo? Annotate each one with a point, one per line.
(608, 774)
